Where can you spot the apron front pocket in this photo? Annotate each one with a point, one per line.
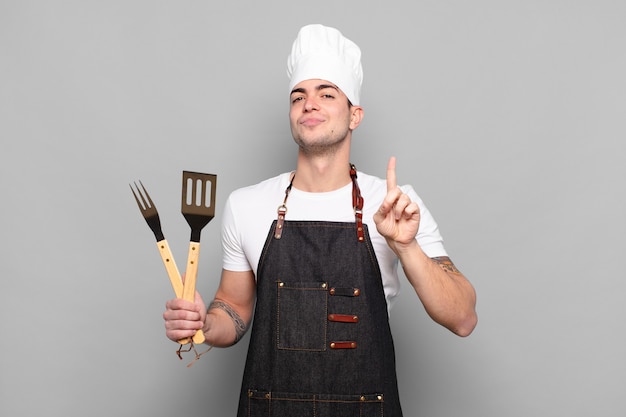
(281, 404)
(302, 311)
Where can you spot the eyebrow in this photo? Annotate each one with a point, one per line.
(317, 88)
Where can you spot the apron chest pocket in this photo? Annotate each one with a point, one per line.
(302, 310)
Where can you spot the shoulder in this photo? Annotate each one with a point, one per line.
(256, 202)
(270, 186)
(370, 184)
(247, 216)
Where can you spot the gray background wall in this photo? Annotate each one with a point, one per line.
(507, 117)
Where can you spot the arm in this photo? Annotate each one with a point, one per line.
(447, 296)
(227, 318)
(230, 313)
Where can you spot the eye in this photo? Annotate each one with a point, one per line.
(294, 100)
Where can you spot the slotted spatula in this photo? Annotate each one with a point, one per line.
(198, 208)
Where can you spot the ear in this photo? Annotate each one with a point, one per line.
(356, 115)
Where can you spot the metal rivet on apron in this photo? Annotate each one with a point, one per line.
(362, 397)
(281, 284)
(380, 397)
(324, 285)
(345, 292)
(268, 395)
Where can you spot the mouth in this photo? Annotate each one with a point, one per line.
(311, 122)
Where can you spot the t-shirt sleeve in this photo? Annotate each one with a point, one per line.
(428, 235)
(234, 258)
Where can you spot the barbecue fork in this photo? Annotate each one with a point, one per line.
(150, 213)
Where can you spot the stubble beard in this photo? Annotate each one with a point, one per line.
(328, 144)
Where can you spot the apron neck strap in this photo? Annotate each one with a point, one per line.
(357, 205)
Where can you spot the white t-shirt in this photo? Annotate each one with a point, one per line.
(250, 211)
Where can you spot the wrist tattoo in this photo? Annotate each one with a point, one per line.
(240, 325)
(446, 264)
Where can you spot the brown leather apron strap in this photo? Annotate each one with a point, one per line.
(282, 211)
(357, 204)
(343, 345)
(343, 318)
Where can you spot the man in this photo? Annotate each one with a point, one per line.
(322, 268)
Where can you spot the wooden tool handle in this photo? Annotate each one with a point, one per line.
(170, 267)
(172, 273)
(189, 288)
(177, 283)
(189, 291)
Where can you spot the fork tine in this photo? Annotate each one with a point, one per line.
(147, 196)
(148, 210)
(135, 194)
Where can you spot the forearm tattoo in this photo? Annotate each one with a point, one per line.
(240, 325)
(446, 264)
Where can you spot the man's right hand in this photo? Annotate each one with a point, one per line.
(183, 318)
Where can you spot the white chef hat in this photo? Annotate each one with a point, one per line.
(323, 52)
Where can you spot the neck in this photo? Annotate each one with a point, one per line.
(317, 175)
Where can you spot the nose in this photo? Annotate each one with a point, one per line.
(310, 104)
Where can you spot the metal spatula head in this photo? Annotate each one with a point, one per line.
(198, 201)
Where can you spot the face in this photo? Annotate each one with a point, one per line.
(320, 116)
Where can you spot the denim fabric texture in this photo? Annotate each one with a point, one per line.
(314, 270)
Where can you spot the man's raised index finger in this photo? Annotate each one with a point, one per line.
(391, 174)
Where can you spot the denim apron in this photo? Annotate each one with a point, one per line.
(321, 345)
